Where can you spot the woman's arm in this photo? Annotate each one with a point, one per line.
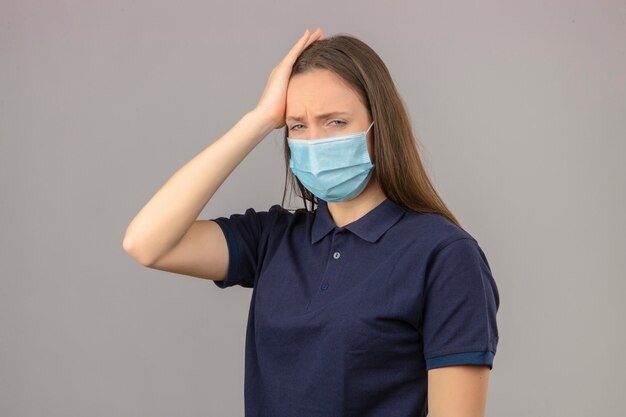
(165, 233)
(458, 391)
(167, 216)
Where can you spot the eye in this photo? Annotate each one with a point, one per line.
(340, 121)
(292, 127)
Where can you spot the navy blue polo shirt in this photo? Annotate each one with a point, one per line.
(346, 321)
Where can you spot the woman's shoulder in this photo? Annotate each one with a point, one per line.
(293, 214)
(279, 210)
(432, 229)
(285, 216)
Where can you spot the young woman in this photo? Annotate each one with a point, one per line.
(373, 302)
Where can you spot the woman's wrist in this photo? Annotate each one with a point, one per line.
(265, 122)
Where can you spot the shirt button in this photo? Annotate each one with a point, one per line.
(324, 285)
(336, 255)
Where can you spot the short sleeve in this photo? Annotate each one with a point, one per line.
(461, 300)
(244, 235)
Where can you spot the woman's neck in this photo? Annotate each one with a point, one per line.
(345, 212)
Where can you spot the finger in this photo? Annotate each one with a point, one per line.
(314, 37)
(297, 48)
(317, 35)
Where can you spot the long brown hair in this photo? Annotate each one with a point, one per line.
(398, 166)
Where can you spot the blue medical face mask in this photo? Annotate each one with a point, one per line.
(335, 168)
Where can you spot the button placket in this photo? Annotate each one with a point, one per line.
(332, 267)
(333, 271)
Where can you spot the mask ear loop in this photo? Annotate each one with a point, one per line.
(368, 129)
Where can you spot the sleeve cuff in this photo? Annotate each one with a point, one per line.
(467, 358)
(233, 256)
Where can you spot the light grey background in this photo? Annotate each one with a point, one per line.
(519, 107)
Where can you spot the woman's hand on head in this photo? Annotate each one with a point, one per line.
(273, 101)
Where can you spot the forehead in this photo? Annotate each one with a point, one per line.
(319, 91)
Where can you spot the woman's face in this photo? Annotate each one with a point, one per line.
(320, 105)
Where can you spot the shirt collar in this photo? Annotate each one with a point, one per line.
(368, 227)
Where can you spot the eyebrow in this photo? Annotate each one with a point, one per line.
(319, 117)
